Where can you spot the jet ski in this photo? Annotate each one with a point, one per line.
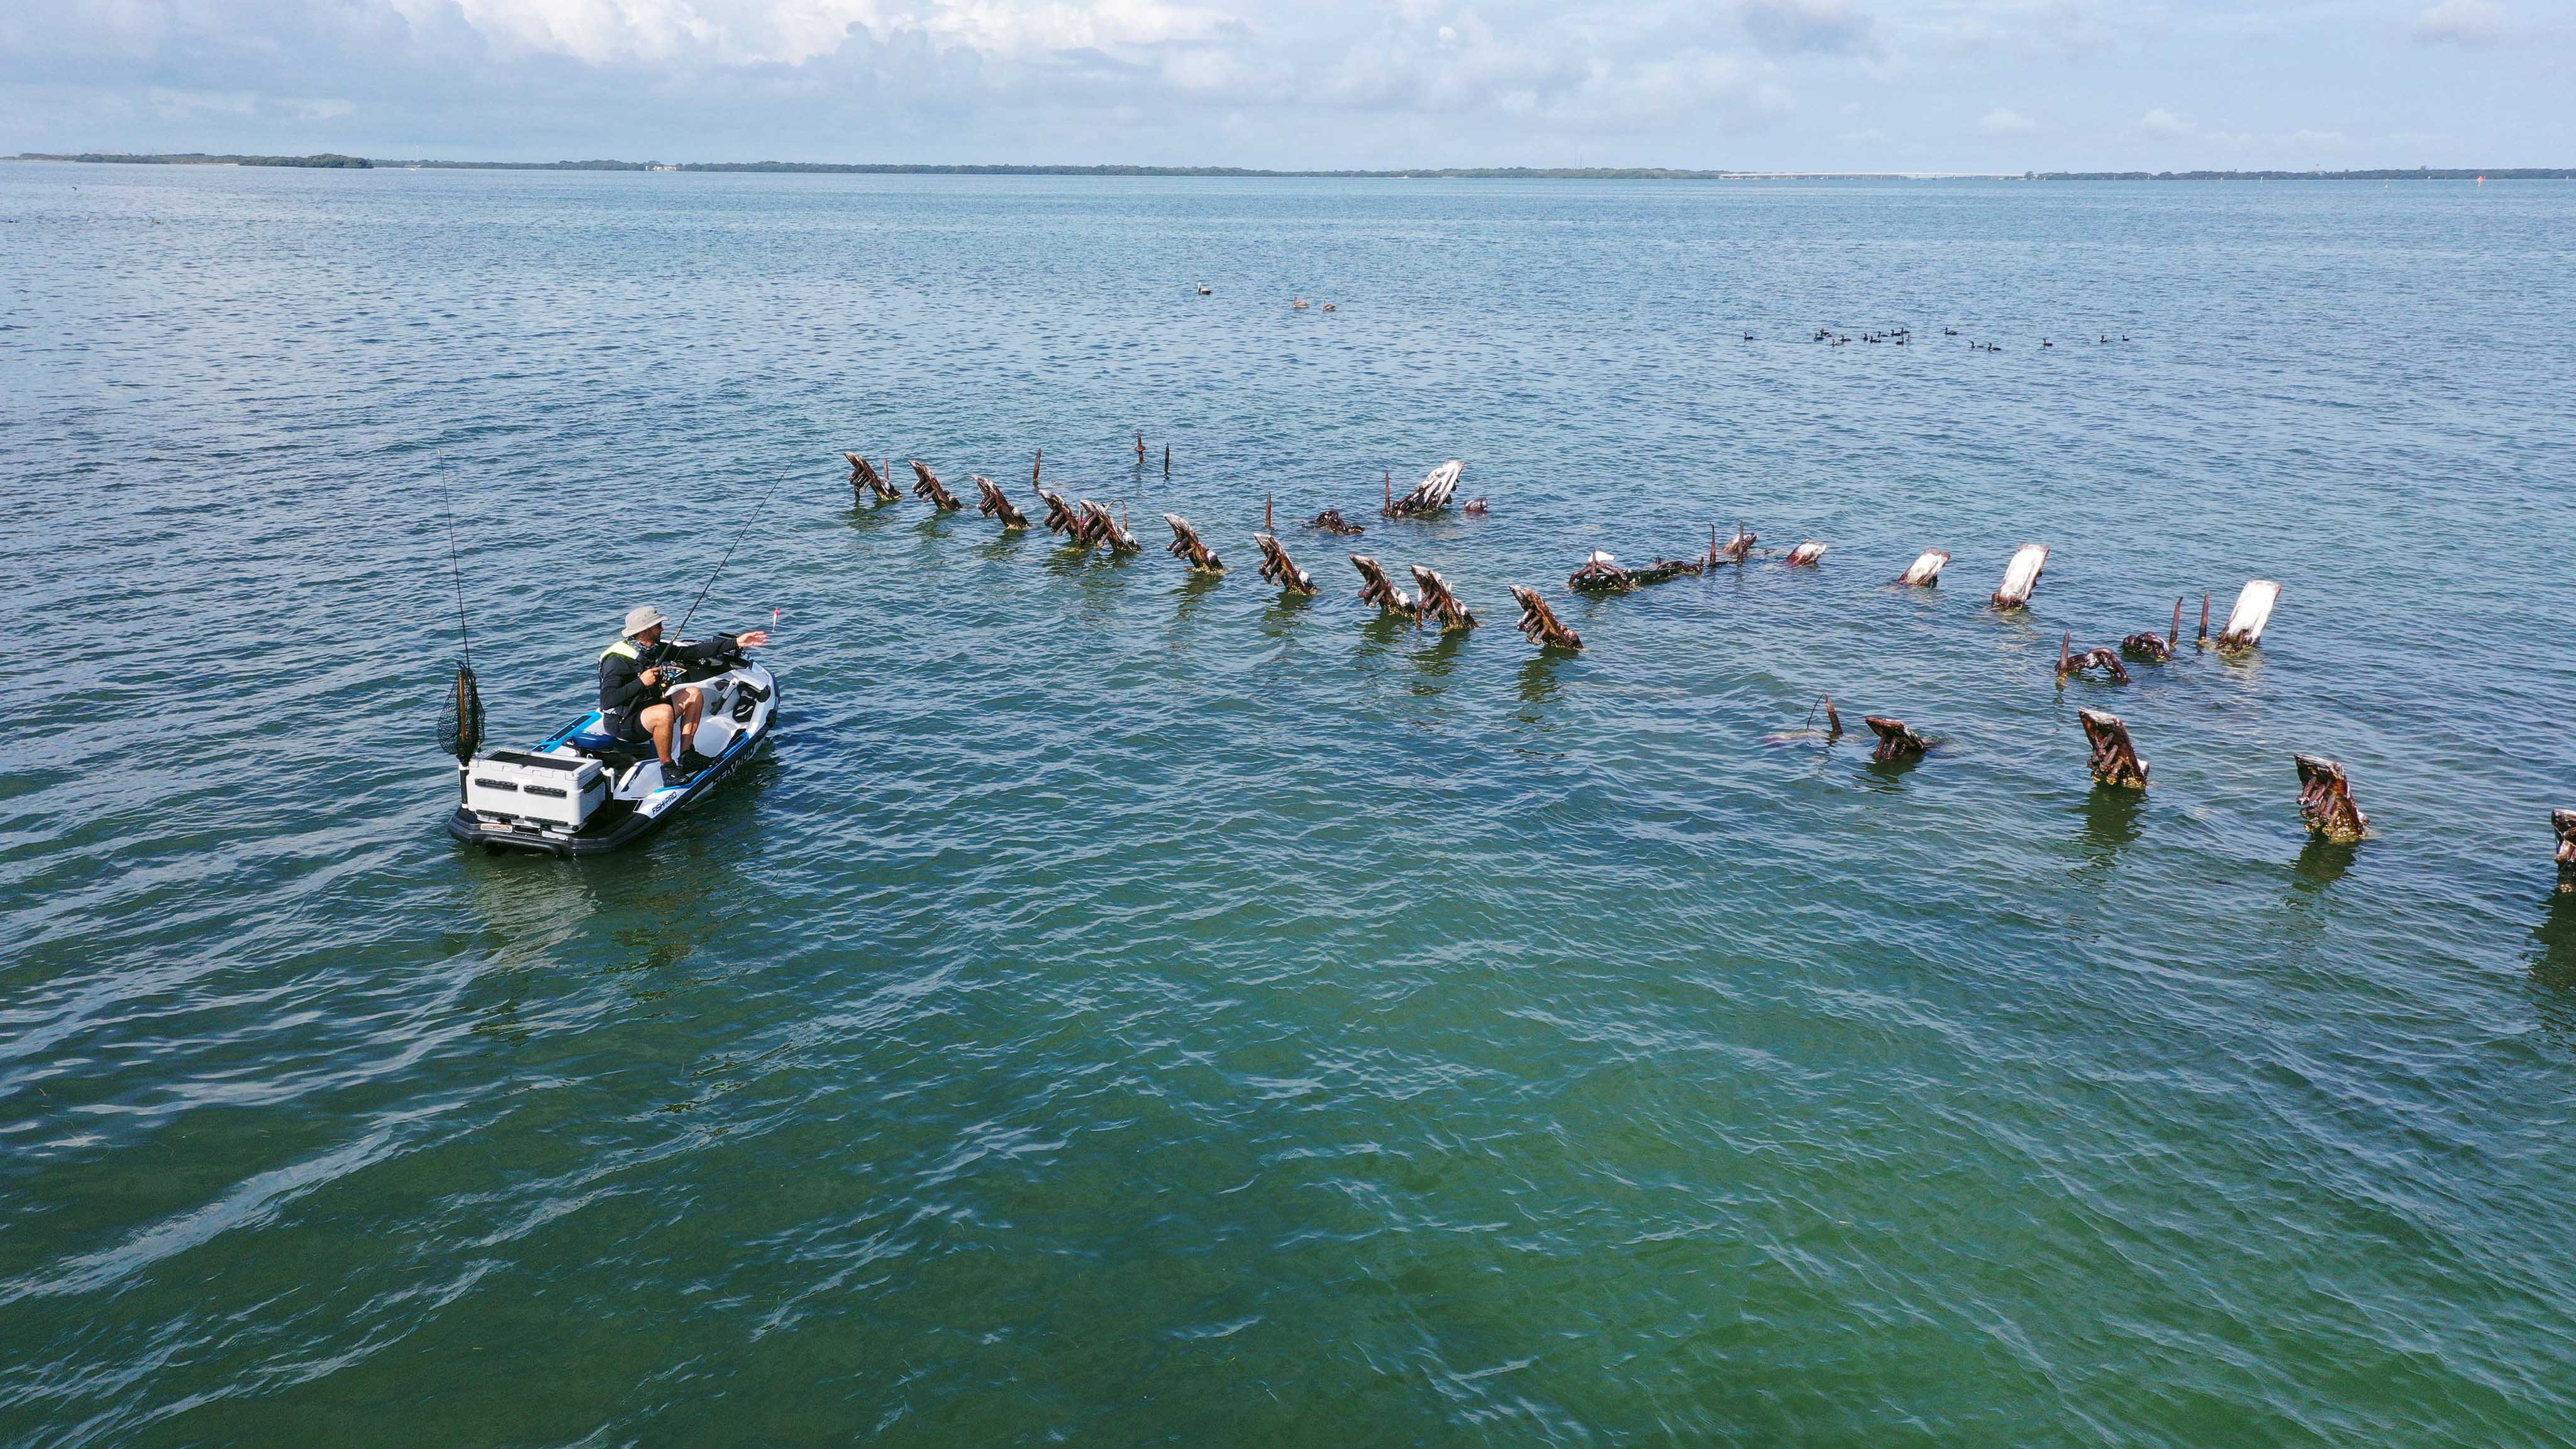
(584, 792)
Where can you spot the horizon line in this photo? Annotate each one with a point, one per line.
(343, 161)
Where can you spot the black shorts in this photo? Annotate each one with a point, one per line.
(621, 724)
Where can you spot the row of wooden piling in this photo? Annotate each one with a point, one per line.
(2325, 794)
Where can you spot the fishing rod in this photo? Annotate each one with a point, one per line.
(455, 570)
(739, 535)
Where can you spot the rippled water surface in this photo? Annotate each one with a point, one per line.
(1130, 1008)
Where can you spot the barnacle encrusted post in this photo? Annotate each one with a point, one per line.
(1101, 527)
(997, 504)
(2115, 759)
(1430, 495)
(926, 484)
(1280, 569)
(1376, 588)
(1434, 598)
(1806, 555)
(1600, 574)
(2325, 800)
(1540, 623)
(2253, 610)
(866, 480)
(1186, 545)
(2564, 822)
(1061, 517)
(1925, 571)
(1895, 740)
(2021, 576)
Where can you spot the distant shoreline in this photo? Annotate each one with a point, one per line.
(336, 161)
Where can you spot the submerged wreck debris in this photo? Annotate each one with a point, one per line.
(1435, 600)
(1833, 719)
(2201, 639)
(2148, 647)
(1280, 569)
(2564, 822)
(1735, 550)
(2325, 801)
(1477, 508)
(1806, 555)
(1925, 571)
(1376, 588)
(1061, 516)
(1601, 574)
(1186, 545)
(1806, 729)
(1895, 740)
(926, 484)
(1331, 521)
(866, 480)
(2021, 576)
(997, 504)
(2253, 610)
(2070, 663)
(1430, 495)
(2115, 759)
(1540, 623)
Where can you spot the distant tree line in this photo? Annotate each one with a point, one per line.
(202, 158)
(2419, 173)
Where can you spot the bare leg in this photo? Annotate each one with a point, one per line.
(692, 703)
(656, 718)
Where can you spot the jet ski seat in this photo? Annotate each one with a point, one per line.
(599, 744)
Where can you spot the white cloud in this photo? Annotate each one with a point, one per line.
(1821, 27)
(2461, 22)
(2001, 122)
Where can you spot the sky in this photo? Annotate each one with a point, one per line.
(1844, 85)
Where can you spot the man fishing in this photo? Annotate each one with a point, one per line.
(636, 701)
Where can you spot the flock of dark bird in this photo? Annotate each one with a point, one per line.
(2325, 796)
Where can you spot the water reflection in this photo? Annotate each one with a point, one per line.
(2553, 967)
(2113, 820)
(2321, 863)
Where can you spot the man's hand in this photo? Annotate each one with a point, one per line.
(753, 639)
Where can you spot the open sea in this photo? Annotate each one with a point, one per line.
(1127, 1008)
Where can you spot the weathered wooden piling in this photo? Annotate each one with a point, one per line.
(1833, 720)
(1105, 529)
(997, 504)
(2246, 621)
(1061, 517)
(1376, 588)
(1895, 740)
(2115, 758)
(2325, 801)
(2070, 663)
(2564, 822)
(2021, 577)
(1925, 571)
(926, 484)
(1540, 623)
(1280, 569)
(2201, 639)
(1735, 550)
(866, 481)
(2148, 647)
(1428, 496)
(1807, 555)
(1186, 545)
(1433, 600)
